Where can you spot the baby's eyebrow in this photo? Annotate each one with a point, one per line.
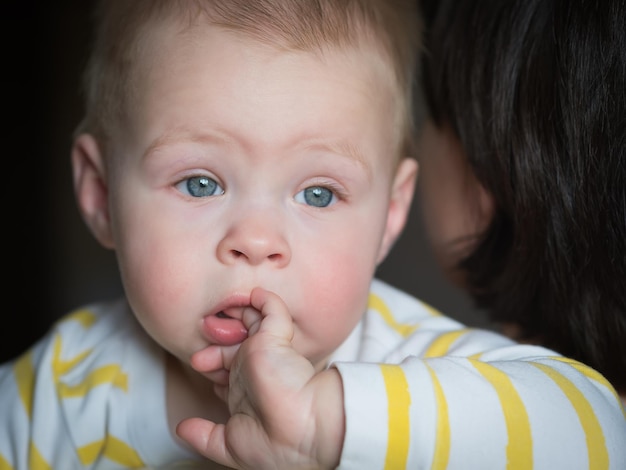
(341, 148)
(178, 135)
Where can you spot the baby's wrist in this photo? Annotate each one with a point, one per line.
(330, 417)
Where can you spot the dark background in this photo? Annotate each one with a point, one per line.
(52, 264)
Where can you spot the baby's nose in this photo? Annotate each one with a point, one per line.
(254, 241)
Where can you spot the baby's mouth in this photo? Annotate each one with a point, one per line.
(225, 327)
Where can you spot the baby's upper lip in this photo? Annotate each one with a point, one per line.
(231, 312)
(232, 306)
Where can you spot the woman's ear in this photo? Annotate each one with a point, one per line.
(90, 188)
(402, 191)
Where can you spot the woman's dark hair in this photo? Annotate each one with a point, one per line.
(536, 92)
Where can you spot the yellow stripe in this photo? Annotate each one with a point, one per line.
(36, 461)
(112, 448)
(84, 316)
(111, 373)
(4, 463)
(376, 303)
(596, 445)
(441, 345)
(519, 450)
(399, 402)
(593, 375)
(432, 310)
(90, 452)
(25, 378)
(60, 366)
(442, 445)
(122, 453)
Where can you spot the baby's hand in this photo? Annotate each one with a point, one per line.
(283, 414)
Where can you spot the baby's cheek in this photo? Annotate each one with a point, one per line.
(156, 285)
(334, 308)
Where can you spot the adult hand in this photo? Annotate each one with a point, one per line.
(283, 415)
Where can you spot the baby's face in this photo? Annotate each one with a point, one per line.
(246, 166)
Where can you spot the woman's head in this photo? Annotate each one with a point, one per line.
(534, 91)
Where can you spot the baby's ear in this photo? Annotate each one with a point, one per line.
(90, 188)
(402, 191)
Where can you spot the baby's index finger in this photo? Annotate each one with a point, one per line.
(275, 320)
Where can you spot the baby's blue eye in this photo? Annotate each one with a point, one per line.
(200, 186)
(316, 196)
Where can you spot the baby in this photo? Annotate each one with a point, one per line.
(250, 164)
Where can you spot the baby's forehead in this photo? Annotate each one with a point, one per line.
(278, 26)
(220, 66)
(183, 32)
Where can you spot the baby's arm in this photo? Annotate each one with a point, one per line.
(482, 412)
(512, 404)
(283, 414)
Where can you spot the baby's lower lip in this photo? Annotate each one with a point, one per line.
(224, 330)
